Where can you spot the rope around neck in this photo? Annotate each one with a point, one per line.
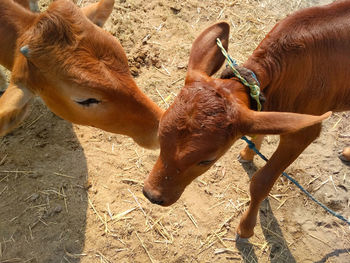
(254, 88)
(254, 93)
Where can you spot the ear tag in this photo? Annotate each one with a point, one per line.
(25, 51)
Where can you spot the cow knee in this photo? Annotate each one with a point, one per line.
(14, 106)
(9, 120)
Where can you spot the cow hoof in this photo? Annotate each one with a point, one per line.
(240, 239)
(241, 160)
(343, 159)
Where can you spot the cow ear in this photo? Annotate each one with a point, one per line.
(99, 12)
(278, 122)
(206, 56)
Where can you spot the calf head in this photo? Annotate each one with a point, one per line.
(205, 119)
(82, 74)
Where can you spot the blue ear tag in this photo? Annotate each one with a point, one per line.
(25, 50)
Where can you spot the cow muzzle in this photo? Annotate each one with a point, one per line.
(153, 199)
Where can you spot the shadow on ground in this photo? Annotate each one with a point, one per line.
(278, 248)
(43, 206)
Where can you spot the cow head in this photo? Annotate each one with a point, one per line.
(205, 119)
(81, 72)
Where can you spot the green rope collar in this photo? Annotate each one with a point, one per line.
(254, 88)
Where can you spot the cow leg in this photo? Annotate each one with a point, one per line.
(3, 82)
(345, 155)
(14, 105)
(29, 4)
(290, 147)
(33, 6)
(247, 154)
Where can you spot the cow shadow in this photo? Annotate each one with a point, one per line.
(43, 174)
(278, 247)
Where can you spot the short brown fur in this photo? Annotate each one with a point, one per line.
(303, 66)
(79, 70)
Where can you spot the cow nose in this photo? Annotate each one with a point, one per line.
(151, 198)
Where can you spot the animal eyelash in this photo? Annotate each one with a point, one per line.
(206, 162)
(88, 102)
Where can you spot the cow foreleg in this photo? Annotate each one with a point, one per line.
(289, 148)
(33, 6)
(3, 82)
(14, 105)
(247, 154)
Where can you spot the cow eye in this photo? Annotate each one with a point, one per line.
(88, 102)
(206, 162)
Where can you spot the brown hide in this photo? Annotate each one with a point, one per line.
(309, 66)
(303, 66)
(78, 69)
(14, 20)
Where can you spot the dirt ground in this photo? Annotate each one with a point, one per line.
(70, 193)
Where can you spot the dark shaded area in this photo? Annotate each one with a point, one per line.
(43, 173)
(279, 251)
(344, 161)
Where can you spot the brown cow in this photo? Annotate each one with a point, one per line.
(79, 70)
(303, 66)
(98, 13)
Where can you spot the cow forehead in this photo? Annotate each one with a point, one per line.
(69, 46)
(198, 121)
(197, 107)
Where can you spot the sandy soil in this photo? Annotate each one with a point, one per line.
(74, 194)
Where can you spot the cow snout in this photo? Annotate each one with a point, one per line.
(152, 198)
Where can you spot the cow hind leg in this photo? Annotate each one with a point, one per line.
(290, 147)
(247, 154)
(14, 105)
(345, 155)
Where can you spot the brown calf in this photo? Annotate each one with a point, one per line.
(303, 66)
(79, 70)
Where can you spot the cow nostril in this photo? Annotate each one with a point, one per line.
(157, 202)
(151, 198)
